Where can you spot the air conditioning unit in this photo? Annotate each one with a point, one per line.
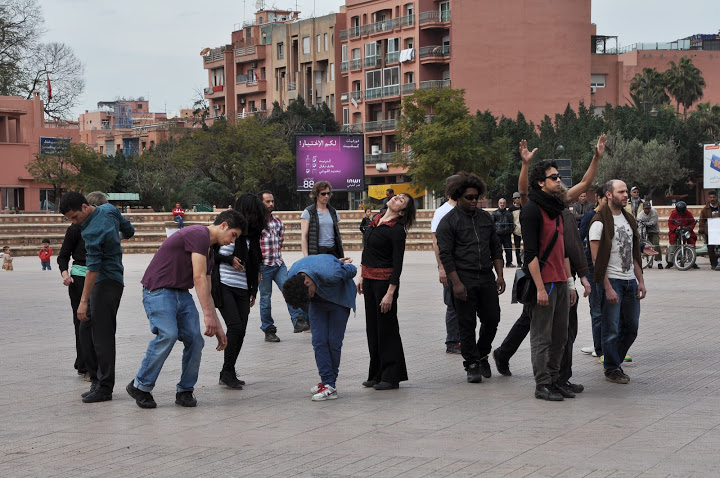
(382, 167)
(593, 89)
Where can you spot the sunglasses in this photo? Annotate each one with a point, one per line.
(326, 194)
(554, 177)
(472, 197)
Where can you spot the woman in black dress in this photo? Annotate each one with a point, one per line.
(382, 260)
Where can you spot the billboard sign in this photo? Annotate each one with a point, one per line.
(711, 166)
(336, 159)
(53, 145)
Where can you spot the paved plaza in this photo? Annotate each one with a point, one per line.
(666, 422)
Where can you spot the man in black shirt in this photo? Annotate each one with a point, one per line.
(469, 251)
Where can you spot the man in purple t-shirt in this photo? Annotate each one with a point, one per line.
(181, 263)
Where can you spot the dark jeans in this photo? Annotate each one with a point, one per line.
(387, 360)
(506, 241)
(597, 294)
(235, 311)
(46, 265)
(518, 332)
(179, 221)
(104, 304)
(620, 323)
(75, 292)
(328, 322)
(566, 362)
(452, 329)
(548, 333)
(483, 302)
(518, 251)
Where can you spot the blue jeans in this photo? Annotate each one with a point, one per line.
(180, 222)
(327, 324)
(619, 323)
(279, 275)
(45, 265)
(596, 297)
(173, 316)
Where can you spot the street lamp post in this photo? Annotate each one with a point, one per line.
(653, 112)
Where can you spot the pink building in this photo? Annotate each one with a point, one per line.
(22, 130)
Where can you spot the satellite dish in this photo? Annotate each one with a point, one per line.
(260, 4)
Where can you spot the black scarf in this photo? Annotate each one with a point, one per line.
(552, 205)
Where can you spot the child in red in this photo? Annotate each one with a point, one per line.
(45, 254)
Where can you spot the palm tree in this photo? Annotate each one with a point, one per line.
(708, 120)
(685, 83)
(648, 88)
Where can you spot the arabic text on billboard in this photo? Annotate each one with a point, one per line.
(711, 170)
(53, 145)
(336, 159)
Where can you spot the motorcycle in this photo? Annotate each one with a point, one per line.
(684, 255)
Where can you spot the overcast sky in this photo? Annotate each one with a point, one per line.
(151, 48)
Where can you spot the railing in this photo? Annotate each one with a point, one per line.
(387, 25)
(241, 78)
(392, 90)
(248, 50)
(373, 60)
(434, 51)
(372, 93)
(435, 16)
(356, 64)
(382, 92)
(344, 97)
(383, 125)
(343, 66)
(292, 86)
(386, 157)
(427, 85)
(675, 45)
(351, 128)
(353, 32)
(343, 35)
(356, 95)
(408, 88)
(392, 57)
(217, 56)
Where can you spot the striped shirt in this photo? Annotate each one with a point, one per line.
(271, 242)
(228, 275)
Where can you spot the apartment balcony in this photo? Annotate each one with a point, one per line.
(352, 32)
(434, 54)
(388, 25)
(356, 64)
(382, 92)
(255, 112)
(355, 95)
(429, 85)
(250, 86)
(383, 125)
(385, 157)
(434, 19)
(408, 88)
(214, 57)
(351, 128)
(343, 67)
(343, 35)
(249, 54)
(392, 57)
(372, 61)
(214, 91)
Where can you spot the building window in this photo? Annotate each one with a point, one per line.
(346, 116)
(391, 76)
(373, 79)
(409, 77)
(318, 77)
(331, 76)
(597, 81)
(325, 36)
(248, 30)
(306, 45)
(139, 106)
(280, 51)
(47, 199)
(318, 43)
(263, 104)
(344, 53)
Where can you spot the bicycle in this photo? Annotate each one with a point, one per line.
(647, 261)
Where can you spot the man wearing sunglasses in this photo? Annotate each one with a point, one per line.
(469, 250)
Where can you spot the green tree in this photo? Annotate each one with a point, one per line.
(707, 118)
(685, 83)
(647, 89)
(76, 167)
(244, 157)
(648, 165)
(444, 139)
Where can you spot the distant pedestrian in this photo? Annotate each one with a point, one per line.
(365, 222)
(517, 230)
(45, 254)
(389, 193)
(504, 225)
(7, 259)
(178, 215)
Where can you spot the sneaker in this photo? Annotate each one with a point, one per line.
(547, 392)
(386, 386)
(142, 398)
(575, 387)
(367, 384)
(186, 399)
(87, 377)
(660, 266)
(98, 395)
(473, 373)
(93, 387)
(626, 375)
(271, 337)
(320, 385)
(563, 389)
(627, 359)
(230, 380)
(669, 265)
(503, 366)
(587, 350)
(300, 326)
(594, 354)
(601, 359)
(511, 265)
(616, 376)
(485, 367)
(453, 349)
(327, 392)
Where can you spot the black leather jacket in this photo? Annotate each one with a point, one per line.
(467, 242)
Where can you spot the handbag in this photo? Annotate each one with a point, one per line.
(524, 290)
